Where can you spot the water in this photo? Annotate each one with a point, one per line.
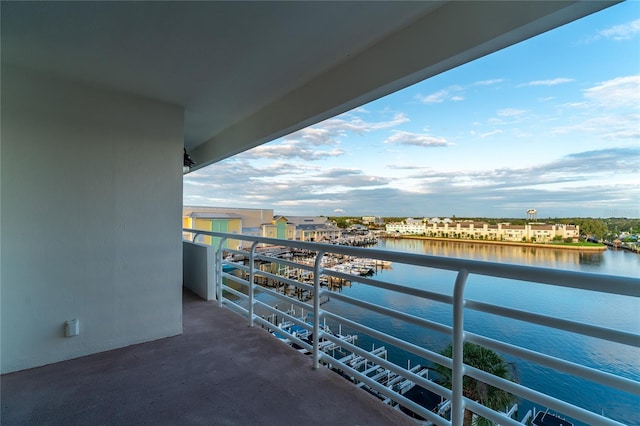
(606, 310)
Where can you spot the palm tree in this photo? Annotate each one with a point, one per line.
(489, 396)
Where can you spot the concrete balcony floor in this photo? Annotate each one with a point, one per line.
(218, 372)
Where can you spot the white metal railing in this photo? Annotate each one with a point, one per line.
(598, 283)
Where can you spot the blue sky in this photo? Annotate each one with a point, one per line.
(552, 123)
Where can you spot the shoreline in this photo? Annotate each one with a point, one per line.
(501, 243)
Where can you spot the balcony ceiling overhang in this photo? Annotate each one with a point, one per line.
(249, 72)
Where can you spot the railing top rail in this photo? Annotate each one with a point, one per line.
(613, 284)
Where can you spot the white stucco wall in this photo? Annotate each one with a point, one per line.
(91, 196)
(197, 269)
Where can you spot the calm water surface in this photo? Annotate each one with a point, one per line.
(606, 310)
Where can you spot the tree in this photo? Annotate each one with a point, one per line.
(592, 227)
(341, 222)
(489, 396)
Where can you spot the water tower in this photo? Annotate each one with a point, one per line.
(532, 214)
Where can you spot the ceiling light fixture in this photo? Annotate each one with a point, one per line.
(188, 162)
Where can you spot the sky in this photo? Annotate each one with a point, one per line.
(551, 123)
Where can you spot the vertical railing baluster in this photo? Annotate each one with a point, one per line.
(316, 309)
(252, 254)
(218, 270)
(457, 373)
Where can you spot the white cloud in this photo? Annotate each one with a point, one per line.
(312, 203)
(510, 112)
(575, 105)
(450, 93)
(289, 150)
(621, 32)
(358, 125)
(454, 93)
(619, 92)
(304, 144)
(492, 133)
(488, 82)
(415, 139)
(436, 97)
(330, 131)
(552, 82)
(315, 135)
(338, 210)
(608, 126)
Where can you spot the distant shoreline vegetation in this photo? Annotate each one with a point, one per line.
(582, 245)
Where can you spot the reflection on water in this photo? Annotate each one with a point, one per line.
(533, 256)
(591, 258)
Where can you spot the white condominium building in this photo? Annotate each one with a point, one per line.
(539, 232)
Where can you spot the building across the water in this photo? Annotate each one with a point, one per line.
(446, 228)
(376, 220)
(407, 226)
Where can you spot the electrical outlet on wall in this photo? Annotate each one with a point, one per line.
(72, 327)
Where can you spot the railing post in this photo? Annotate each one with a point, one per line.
(457, 373)
(316, 309)
(252, 254)
(217, 265)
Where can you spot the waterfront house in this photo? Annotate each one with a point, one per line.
(251, 218)
(219, 222)
(279, 227)
(100, 100)
(315, 228)
(376, 220)
(408, 226)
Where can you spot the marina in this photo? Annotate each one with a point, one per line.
(288, 266)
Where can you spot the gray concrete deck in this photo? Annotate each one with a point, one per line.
(218, 372)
